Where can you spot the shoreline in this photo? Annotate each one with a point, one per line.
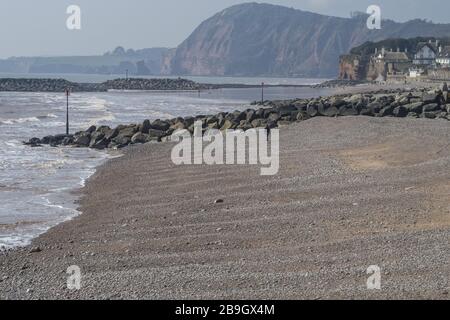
(117, 213)
(136, 240)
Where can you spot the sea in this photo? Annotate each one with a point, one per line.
(37, 184)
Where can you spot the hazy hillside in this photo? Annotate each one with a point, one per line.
(137, 62)
(261, 39)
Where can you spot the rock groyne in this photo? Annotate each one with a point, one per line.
(434, 104)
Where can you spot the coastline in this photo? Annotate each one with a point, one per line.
(150, 229)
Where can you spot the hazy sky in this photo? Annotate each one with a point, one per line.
(38, 27)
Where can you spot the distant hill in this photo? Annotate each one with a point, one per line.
(260, 39)
(250, 39)
(137, 62)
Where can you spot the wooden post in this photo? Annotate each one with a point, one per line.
(67, 110)
(262, 93)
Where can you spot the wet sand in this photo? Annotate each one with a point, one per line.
(351, 192)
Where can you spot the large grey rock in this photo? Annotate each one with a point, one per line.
(227, 125)
(156, 133)
(375, 107)
(128, 131)
(139, 138)
(121, 141)
(348, 111)
(83, 140)
(258, 123)
(95, 138)
(328, 110)
(91, 129)
(431, 107)
(273, 117)
(414, 107)
(286, 110)
(386, 111)
(161, 125)
(101, 144)
(400, 112)
(145, 126)
(430, 97)
(312, 110)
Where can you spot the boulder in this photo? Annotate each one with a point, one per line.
(112, 134)
(82, 140)
(366, 112)
(189, 121)
(227, 125)
(100, 144)
(145, 126)
(302, 116)
(33, 142)
(429, 97)
(121, 141)
(400, 112)
(348, 111)
(431, 107)
(96, 137)
(128, 131)
(414, 107)
(375, 107)
(67, 141)
(355, 99)
(327, 110)
(430, 115)
(273, 117)
(312, 110)
(268, 112)
(140, 138)
(442, 115)
(286, 110)
(336, 102)
(301, 105)
(271, 125)
(386, 111)
(161, 125)
(177, 126)
(413, 115)
(156, 133)
(258, 123)
(91, 129)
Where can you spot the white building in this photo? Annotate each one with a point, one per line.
(443, 58)
(416, 72)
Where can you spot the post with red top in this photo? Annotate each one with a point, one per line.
(67, 111)
(262, 93)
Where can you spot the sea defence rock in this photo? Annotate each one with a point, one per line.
(60, 85)
(47, 85)
(271, 114)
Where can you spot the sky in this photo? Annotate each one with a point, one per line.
(38, 27)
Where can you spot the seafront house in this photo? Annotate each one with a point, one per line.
(443, 58)
(426, 53)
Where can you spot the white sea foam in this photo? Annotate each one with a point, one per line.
(19, 120)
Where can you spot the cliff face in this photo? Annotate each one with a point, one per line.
(260, 39)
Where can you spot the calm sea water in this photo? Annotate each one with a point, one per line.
(36, 184)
